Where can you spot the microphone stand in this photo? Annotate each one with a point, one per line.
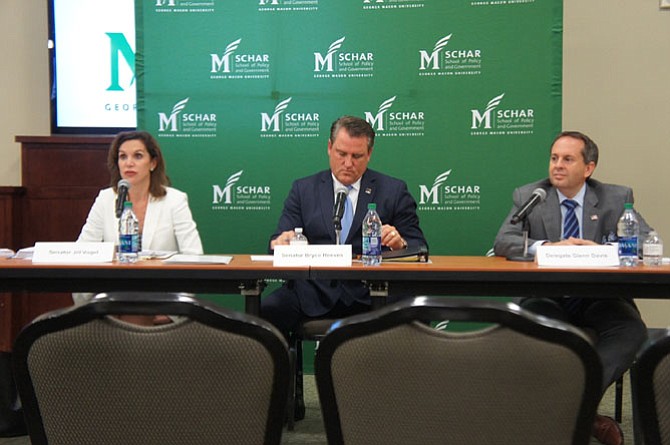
(525, 257)
(338, 230)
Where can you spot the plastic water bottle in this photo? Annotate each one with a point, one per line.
(372, 237)
(129, 234)
(652, 250)
(299, 239)
(628, 231)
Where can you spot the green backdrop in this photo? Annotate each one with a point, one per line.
(465, 97)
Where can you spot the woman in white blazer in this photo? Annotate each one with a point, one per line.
(165, 219)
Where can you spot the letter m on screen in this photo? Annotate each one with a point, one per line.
(118, 45)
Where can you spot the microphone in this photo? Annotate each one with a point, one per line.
(121, 195)
(338, 209)
(539, 195)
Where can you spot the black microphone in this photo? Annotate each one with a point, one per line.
(539, 195)
(121, 195)
(338, 209)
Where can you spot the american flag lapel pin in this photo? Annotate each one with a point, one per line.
(594, 217)
(368, 191)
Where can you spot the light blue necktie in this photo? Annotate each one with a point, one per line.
(347, 218)
(570, 223)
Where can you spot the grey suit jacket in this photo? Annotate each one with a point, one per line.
(603, 205)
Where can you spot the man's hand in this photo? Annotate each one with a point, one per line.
(282, 240)
(572, 242)
(392, 239)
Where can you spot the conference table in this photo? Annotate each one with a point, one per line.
(442, 275)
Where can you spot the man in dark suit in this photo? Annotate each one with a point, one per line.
(310, 205)
(597, 206)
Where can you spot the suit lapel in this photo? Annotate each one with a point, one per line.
(590, 217)
(366, 195)
(151, 218)
(326, 202)
(552, 217)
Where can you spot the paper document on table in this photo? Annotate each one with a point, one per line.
(199, 259)
(156, 254)
(24, 254)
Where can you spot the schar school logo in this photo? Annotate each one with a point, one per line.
(287, 5)
(444, 61)
(495, 120)
(181, 124)
(234, 196)
(242, 65)
(443, 197)
(387, 123)
(339, 64)
(393, 4)
(289, 124)
(184, 6)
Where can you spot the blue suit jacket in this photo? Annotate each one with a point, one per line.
(310, 205)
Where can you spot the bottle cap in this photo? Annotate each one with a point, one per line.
(298, 230)
(628, 205)
(372, 206)
(127, 204)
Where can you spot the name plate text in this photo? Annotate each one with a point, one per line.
(605, 255)
(313, 255)
(68, 253)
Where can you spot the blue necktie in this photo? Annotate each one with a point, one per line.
(347, 218)
(570, 223)
(573, 306)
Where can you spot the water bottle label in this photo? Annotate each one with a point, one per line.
(129, 243)
(372, 245)
(628, 246)
(653, 249)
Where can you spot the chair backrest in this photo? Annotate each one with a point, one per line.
(651, 390)
(389, 377)
(212, 376)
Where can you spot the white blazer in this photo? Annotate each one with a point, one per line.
(168, 223)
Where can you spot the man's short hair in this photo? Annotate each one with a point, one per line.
(355, 127)
(590, 150)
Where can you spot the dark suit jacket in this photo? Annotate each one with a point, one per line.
(310, 205)
(603, 205)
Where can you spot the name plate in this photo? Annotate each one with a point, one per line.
(605, 255)
(68, 253)
(313, 255)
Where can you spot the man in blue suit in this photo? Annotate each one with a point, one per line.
(310, 205)
(597, 207)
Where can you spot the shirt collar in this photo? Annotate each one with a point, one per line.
(579, 197)
(337, 184)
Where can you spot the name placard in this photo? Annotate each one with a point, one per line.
(68, 253)
(313, 255)
(605, 255)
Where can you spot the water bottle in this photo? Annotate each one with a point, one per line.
(129, 234)
(299, 239)
(652, 250)
(628, 231)
(372, 237)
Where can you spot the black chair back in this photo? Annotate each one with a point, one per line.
(389, 377)
(211, 376)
